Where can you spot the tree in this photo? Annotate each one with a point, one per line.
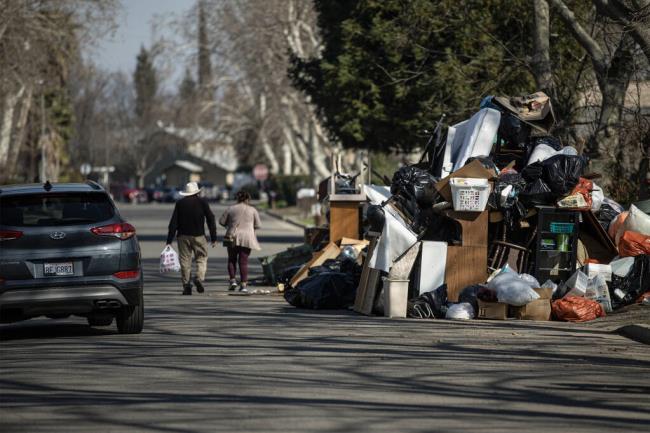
(146, 87)
(611, 49)
(389, 69)
(40, 42)
(256, 106)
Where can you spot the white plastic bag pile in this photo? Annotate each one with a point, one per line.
(169, 261)
(462, 311)
(514, 289)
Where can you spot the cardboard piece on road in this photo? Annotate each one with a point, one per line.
(473, 170)
(539, 309)
(331, 251)
(492, 310)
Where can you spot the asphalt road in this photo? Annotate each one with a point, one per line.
(220, 363)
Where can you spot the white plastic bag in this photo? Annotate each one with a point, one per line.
(512, 290)
(637, 221)
(169, 261)
(530, 280)
(462, 311)
(597, 197)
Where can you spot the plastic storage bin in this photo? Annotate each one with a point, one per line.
(396, 293)
(469, 195)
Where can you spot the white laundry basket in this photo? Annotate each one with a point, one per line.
(469, 195)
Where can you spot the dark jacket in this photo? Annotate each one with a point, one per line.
(189, 218)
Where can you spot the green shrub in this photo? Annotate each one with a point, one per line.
(286, 187)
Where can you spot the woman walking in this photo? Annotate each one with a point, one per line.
(240, 220)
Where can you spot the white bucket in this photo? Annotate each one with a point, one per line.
(469, 195)
(395, 297)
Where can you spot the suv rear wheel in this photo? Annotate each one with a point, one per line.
(130, 319)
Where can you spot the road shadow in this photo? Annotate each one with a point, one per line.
(276, 239)
(41, 330)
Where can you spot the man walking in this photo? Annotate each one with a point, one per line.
(188, 224)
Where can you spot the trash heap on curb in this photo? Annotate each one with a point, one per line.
(497, 220)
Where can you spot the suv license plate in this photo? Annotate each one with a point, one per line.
(58, 269)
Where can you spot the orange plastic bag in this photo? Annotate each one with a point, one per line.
(616, 224)
(633, 244)
(577, 309)
(584, 188)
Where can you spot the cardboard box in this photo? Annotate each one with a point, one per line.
(539, 309)
(592, 269)
(544, 292)
(492, 310)
(473, 170)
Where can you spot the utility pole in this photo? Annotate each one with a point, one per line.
(42, 140)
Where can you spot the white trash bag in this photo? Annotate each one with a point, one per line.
(512, 290)
(462, 311)
(169, 261)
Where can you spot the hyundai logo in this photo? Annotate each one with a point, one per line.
(57, 235)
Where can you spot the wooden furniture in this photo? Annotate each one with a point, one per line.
(344, 216)
(367, 290)
(556, 249)
(467, 262)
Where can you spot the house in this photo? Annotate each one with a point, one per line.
(198, 156)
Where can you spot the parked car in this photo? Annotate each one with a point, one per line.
(134, 195)
(65, 250)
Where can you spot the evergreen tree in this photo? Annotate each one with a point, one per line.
(390, 68)
(146, 86)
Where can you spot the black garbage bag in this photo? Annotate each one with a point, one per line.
(625, 291)
(326, 290)
(513, 131)
(376, 218)
(504, 181)
(486, 161)
(429, 305)
(562, 172)
(288, 273)
(329, 265)
(416, 184)
(547, 140)
(469, 294)
(537, 193)
(607, 212)
(532, 172)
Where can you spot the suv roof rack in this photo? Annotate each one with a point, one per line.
(94, 185)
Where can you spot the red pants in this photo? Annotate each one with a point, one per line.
(238, 255)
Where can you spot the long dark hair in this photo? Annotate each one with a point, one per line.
(242, 196)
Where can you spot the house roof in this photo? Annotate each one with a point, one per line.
(189, 166)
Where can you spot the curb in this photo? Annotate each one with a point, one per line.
(640, 333)
(285, 219)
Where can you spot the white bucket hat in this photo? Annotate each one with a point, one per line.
(191, 188)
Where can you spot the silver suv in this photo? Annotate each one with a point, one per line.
(65, 250)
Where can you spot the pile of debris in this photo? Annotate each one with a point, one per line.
(497, 220)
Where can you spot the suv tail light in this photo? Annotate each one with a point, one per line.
(125, 275)
(10, 235)
(122, 231)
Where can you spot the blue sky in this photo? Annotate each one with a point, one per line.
(118, 52)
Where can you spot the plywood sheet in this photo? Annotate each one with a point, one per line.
(465, 266)
(344, 220)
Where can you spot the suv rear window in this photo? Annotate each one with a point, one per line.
(54, 209)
